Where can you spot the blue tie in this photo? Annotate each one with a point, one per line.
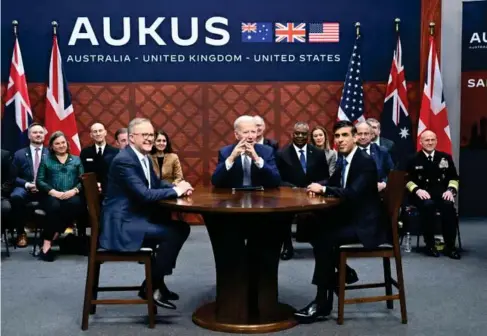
(247, 180)
(344, 166)
(302, 159)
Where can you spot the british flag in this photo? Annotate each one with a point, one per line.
(59, 110)
(290, 32)
(433, 114)
(352, 103)
(18, 114)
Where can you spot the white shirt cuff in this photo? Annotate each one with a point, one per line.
(259, 163)
(178, 191)
(229, 164)
(324, 190)
(26, 183)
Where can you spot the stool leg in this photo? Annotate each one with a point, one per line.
(387, 279)
(34, 246)
(400, 283)
(150, 292)
(341, 287)
(96, 283)
(88, 292)
(5, 237)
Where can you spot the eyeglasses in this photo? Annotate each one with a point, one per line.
(145, 135)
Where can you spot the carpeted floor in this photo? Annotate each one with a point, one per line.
(444, 296)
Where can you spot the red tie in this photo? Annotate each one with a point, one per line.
(37, 161)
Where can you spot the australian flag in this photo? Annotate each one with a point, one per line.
(257, 32)
(352, 102)
(395, 120)
(17, 115)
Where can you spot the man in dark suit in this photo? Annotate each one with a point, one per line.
(25, 164)
(121, 138)
(130, 217)
(381, 141)
(299, 165)
(246, 164)
(98, 157)
(380, 154)
(433, 184)
(260, 123)
(356, 219)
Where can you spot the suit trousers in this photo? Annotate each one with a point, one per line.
(19, 199)
(166, 243)
(427, 212)
(328, 234)
(61, 213)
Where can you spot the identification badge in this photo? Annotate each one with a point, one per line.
(443, 163)
(418, 167)
(89, 159)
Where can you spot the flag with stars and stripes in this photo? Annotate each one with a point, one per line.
(17, 114)
(59, 110)
(352, 103)
(395, 120)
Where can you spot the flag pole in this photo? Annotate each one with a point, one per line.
(54, 27)
(15, 24)
(432, 28)
(357, 28)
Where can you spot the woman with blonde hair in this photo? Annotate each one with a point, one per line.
(319, 138)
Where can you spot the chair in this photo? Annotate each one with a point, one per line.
(97, 257)
(393, 199)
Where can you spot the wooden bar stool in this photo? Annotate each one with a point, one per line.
(98, 257)
(393, 200)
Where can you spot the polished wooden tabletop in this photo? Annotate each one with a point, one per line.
(212, 200)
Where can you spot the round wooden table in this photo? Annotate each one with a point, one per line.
(246, 229)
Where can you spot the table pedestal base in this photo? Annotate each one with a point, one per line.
(205, 317)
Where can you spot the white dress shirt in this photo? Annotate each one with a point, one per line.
(347, 158)
(367, 149)
(432, 154)
(297, 149)
(97, 148)
(261, 141)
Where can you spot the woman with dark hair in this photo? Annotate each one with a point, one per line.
(166, 163)
(319, 138)
(58, 178)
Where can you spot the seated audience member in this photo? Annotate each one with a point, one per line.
(299, 165)
(6, 189)
(319, 138)
(356, 220)
(433, 184)
(379, 154)
(381, 141)
(166, 163)
(121, 138)
(130, 215)
(246, 164)
(97, 157)
(58, 179)
(25, 166)
(260, 123)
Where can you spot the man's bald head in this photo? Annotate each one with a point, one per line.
(428, 141)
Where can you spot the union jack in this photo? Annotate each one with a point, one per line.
(59, 110)
(18, 114)
(290, 32)
(249, 27)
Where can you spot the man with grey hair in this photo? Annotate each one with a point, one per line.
(130, 215)
(260, 123)
(300, 164)
(381, 141)
(246, 164)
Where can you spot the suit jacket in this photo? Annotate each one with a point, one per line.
(292, 174)
(6, 173)
(382, 160)
(93, 164)
(434, 177)
(272, 143)
(127, 209)
(171, 168)
(391, 148)
(267, 176)
(361, 204)
(23, 166)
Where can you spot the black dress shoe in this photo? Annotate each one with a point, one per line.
(313, 312)
(432, 251)
(351, 276)
(159, 299)
(168, 294)
(452, 253)
(48, 256)
(287, 253)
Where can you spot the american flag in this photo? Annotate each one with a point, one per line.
(18, 114)
(59, 110)
(324, 32)
(290, 32)
(352, 102)
(395, 120)
(257, 32)
(433, 114)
